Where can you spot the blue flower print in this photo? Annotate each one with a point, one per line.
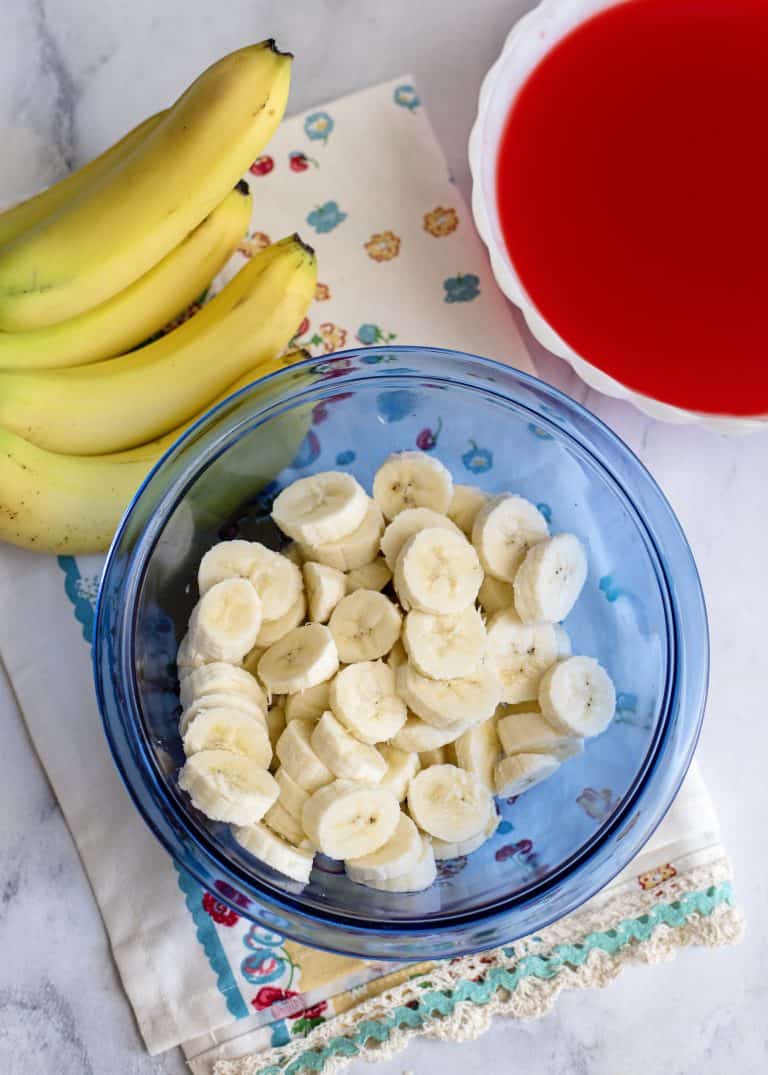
(477, 460)
(318, 126)
(461, 288)
(537, 431)
(369, 334)
(326, 217)
(546, 511)
(504, 828)
(407, 97)
(394, 406)
(610, 589)
(343, 459)
(309, 450)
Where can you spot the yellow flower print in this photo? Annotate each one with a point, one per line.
(252, 244)
(322, 293)
(383, 246)
(441, 221)
(333, 337)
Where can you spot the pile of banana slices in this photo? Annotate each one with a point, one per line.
(397, 665)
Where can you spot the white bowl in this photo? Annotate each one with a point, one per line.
(528, 42)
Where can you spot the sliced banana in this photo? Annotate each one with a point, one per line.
(520, 772)
(449, 803)
(293, 552)
(226, 560)
(466, 503)
(438, 756)
(521, 653)
(412, 480)
(323, 507)
(275, 724)
(419, 877)
(188, 656)
(396, 857)
(295, 753)
(273, 630)
(228, 729)
(478, 749)
(417, 736)
(276, 580)
(450, 703)
(345, 756)
(530, 733)
(503, 532)
(239, 702)
(437, 571)
(365, 625)
(495, 595)
(405, 525)
(265, 845)
(397, 656)
(325, 588)
(252, 658)
(303, 658)
(220, 678)
(226, 620)
(228, 787)
(356, 549)
(292, 795)
(284, 823)
(373, 576)
(445, 647)
(444, 850)
(363, 697)
(402, 765)
(563, 641)
(550, 579)
(577, 697)
(309, 704)
(346, 820)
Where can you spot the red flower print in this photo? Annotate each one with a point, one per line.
(269, 995)
(427, 438)
(522, 847)
(218, 911)
(262, 166)
(221, 886)
(299, 162)
(311, 1013)
(322, 293)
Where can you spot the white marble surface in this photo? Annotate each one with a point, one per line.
(74, 74)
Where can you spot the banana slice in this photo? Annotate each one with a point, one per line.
(276, 580)
(520, 772)
(437, 571)
(478, 749)
(417, 736)
(373, 576)
(419, 877)
(405, 525)
(443, 850)
(438, 756)
(345, 756)
(356, 549)
(303, 658)
(323, 507)
(450, 703)
(365, 625)
(240, 702)
(445, 647)
(563, 641)
(325, 588)
(521, 653)
(228, 729)
(252, 658)
(577, 697)
(220, 678)
(309, 704)
(402, 766)
(396, 857)
(449, 803)
(293, 552)
(226, 560)
(295, 753)
(347, 820)
(188, 656)
(228, 787)
(363, 698)
(550, 579)
(273, 630)
(226, 620)
(263, 844)
(397, 656)
(284, 824)
(412, 480)
(466, 503)
(503, 532)
(292, 795)
(530, 733)
(275, 724)
(495, 595)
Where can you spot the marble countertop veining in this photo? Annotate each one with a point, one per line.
(74, 75)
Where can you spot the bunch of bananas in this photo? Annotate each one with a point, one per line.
(98, 264)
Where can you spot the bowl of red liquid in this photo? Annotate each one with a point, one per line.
(621, 185)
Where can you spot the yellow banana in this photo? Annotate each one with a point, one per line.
(72, 504)
(28, 213)
(126, 401)
(122, 225)
(135, 314)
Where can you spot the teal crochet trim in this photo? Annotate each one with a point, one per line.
(434, 1002)
(82, 606)
(209, 939)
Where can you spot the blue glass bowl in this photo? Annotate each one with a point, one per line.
(641, 613)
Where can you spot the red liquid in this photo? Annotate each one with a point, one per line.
(633, 196)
